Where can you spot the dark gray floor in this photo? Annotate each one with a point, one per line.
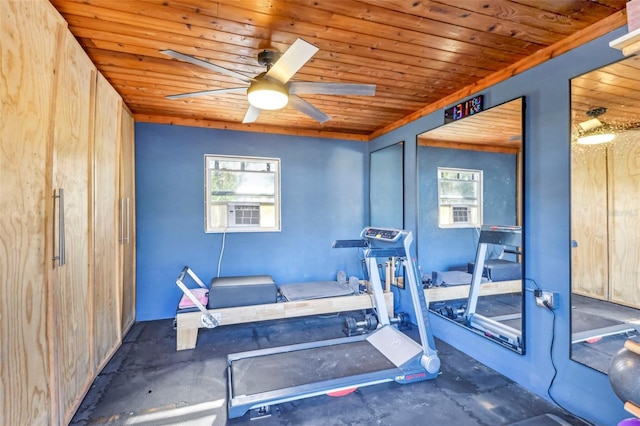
(148, 382)
(588, 314)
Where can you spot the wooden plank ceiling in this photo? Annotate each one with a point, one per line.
(615, 87)
(497, 129)
(422, 54)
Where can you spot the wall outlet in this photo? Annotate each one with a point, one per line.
(547, 299)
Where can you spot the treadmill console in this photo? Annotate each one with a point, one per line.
(381, 234)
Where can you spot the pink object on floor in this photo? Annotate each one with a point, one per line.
(202, 294)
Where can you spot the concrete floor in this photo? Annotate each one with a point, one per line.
(148, 382)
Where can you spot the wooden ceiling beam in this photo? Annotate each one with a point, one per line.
(253, 127)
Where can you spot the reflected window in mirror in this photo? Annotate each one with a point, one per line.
(472, 271)
(459, 198)
(386, 187)
(605, 211)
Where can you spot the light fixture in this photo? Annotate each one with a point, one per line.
(267, 94)
(593, 131)
(601, 134)
(596, 138)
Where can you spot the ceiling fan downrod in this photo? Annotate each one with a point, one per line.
(267, 58)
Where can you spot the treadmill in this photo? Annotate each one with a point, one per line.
(493, 327)
(261, 378)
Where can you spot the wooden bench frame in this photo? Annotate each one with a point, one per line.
(188, 323)
(439, 294)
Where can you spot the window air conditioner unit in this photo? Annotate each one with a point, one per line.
(244, 214)
(460, 214)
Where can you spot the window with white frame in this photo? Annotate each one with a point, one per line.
(242, 194)
(459, 198)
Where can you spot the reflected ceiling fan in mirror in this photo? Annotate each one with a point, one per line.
(272, 89)
(594, 131)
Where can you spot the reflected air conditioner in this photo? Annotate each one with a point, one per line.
(460, 214)
(243, 214)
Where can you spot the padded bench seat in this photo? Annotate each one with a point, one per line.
(499, 270)
(226, 292)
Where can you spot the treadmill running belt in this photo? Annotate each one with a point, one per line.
(287, 369)
(584, 321)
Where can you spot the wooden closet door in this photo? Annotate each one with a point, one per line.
(29, 36)
(106, 279)
(71, 300)
(624, 212)
(589, 272)
(128, 220)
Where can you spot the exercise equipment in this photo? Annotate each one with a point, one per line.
(261, 378)
(493, 328)
(451, 311)
(352, 327)
(624, 376)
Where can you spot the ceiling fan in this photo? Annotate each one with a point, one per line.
(272, 90)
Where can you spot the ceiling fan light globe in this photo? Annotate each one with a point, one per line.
(596, 138)
(267, 96)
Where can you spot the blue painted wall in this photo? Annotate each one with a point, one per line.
(386, 193)
(324, 197)
(546, 87)
(442, 249)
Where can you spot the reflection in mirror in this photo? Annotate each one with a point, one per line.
(469, 235)
(605, 208)
(386, 188)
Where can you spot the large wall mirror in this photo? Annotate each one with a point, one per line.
(469, 222)
(605, 211)
(386, 187)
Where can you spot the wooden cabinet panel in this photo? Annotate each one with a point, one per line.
(60, 322)
(589, 221)
(106, 280)
(624, 227)
(127, 220)
(27, 75)
(605, 209)
(70, 300)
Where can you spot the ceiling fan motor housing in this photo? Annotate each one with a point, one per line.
(267, 58)
(596, 112)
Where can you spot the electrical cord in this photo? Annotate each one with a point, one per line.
(551, 344)
(224, 238)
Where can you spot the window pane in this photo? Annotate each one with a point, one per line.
(256, 167)
(458, 189)
(228, 165)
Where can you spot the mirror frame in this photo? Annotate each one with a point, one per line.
(519, 153)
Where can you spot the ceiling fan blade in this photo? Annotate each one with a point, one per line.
(590, 124)
(208, 92)
(292, 60)
(320, 88)
(205, 64)
(306, 108)
(251, 115)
